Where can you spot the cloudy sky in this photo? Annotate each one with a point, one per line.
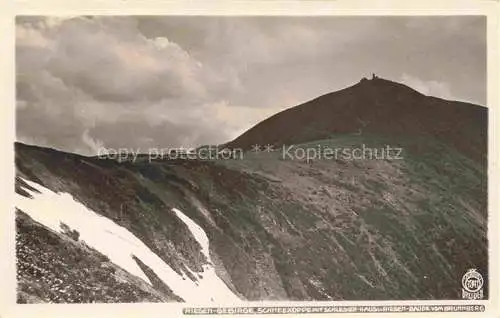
(143, 82)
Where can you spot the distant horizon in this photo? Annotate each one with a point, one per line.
(224, 143)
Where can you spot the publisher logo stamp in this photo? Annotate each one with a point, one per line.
(472, 285)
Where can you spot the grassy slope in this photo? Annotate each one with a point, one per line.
(335, 229)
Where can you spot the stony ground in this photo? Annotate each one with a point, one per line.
(52, 267)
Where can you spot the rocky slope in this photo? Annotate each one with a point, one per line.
(274, 228)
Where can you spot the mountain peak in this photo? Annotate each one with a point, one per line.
(384, 84)
(390, 108)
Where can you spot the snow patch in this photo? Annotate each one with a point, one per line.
(116, 242)
(51, 209)
(210, 283)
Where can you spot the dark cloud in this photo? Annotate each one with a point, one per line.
(141, 82)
